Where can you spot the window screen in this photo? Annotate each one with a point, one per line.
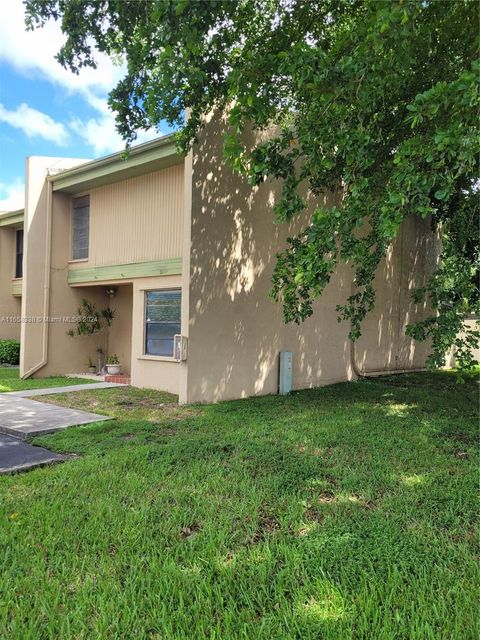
(81, 217)
(162, 321)
(19, 254)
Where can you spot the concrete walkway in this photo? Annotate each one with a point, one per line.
(16, 455)
(25, 418)
(21, 418)
(47, 391)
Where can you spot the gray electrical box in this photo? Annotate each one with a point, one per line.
(285, 373)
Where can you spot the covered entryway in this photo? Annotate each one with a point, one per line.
(120, 299)
(115, 336)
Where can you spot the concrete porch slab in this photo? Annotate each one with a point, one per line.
(16, 455)
(98, 377)
(26, 418)
(66, 389)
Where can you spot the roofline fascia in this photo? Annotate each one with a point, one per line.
(12, 217)
(107, 161)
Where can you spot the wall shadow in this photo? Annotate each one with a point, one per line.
(235, 330)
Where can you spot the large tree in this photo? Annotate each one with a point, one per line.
(378, 98)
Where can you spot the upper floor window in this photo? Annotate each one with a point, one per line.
(81, 219)
(162, 321)
(19, 254)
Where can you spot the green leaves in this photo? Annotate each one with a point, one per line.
(377, 99)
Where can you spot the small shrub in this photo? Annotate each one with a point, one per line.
(9, 352)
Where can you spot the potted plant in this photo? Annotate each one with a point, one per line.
(94, 322)
(91, 366)
(113, 364)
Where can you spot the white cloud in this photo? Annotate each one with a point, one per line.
(32, 52)
(98, 133)
(101, 135)
(12, 196)
(35, 123)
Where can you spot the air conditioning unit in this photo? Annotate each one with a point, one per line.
(180, 344)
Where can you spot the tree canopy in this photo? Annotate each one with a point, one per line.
(377, 98)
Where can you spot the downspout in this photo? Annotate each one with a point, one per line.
(375, 372)
(378, 372)
(46, 294)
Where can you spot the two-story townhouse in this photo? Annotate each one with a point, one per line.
(109, 231)
(184, 246)
(11, 271)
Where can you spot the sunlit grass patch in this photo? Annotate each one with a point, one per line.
(308, 528)
(318, 515)
(128, 403)
(413, 480)
(399, 410)
(11, 381)
(327, 605)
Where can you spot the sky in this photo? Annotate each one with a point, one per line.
(46, 110)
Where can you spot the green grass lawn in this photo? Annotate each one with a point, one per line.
(10, 381)
(336, 513)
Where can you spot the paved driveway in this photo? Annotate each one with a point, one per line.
(16, 455)
(22, 418)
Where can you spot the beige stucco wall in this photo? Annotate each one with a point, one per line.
(34, 335)
(148, 227)
(136, 220)
(226, 236)
(235, 331)
(472, 324)
(64, 353)
(384, 345)
(46, 347)
(125, 336)
(151, 372)
(120, 332)
(10, 306)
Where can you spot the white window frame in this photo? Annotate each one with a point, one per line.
(153, 356)
(86, 202)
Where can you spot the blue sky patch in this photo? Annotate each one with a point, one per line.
(46, 110)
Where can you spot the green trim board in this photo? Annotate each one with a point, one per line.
(11, 218)
(166, 267)
(145, 158)
(17, 287)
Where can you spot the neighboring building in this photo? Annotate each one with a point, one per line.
(11, 266)
(183, 246)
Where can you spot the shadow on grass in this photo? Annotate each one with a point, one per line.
(338, 512)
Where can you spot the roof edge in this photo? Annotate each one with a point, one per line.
(8, 218)
(118, 156)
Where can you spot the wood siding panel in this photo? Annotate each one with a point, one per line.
(137, 220)
(169, 266)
